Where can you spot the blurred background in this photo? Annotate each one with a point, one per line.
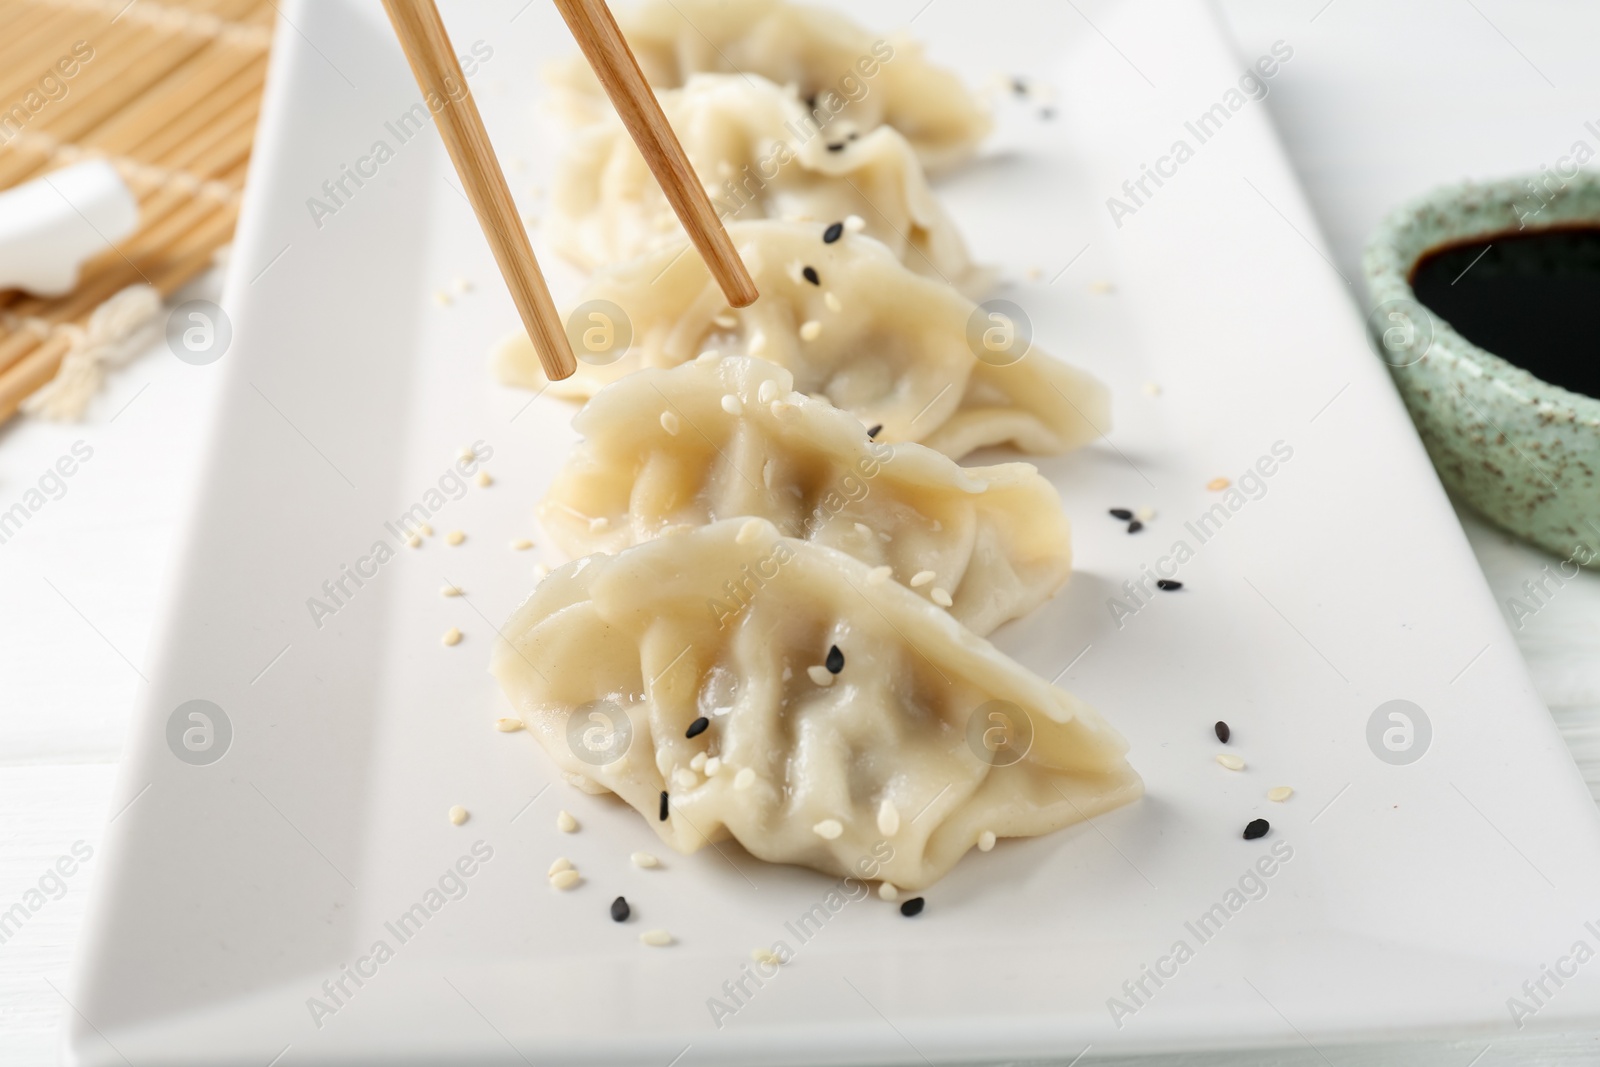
(1380, 103)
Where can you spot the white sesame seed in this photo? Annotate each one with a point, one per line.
(442, 298)
(455, 537)
(757, 343)
(940, 597)
(461, 285)
(540, 571)
(566, 823)
(828, 829)
(749, 531)
(795, 270)
(684, 778)
(1145, 514)
(832, 301)
(888, 818)
(768, 391)
(922, 578)
(986, 841)
(1151, 389)
(887, 891)
(810, 330)
(451, 636)
(427, 531)
(521, 544)
(484, 479)
(854, 223)
(561, 864)
(414, 541)
(713, 765)
(725, 322)
(744, 779)
(820, 676)
(669, 423)
(699, 761)
(879, 575)
(1102, 287)
(645, 860)
(656, 938)
(1280, 793)
(458, 815)
(1230, 761)
(732, 405)
(765, 955)
(465, 452)
(508, 725)
(565, 879)
(449, 590)
(1035, 273)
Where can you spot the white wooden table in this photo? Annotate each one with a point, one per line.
(1380, 101)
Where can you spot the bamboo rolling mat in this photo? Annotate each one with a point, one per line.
(168, 92)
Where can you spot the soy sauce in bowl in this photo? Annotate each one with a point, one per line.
(1533, 299)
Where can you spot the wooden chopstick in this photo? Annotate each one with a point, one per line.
(438, 73)
(603, 45)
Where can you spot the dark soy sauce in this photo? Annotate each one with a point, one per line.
(1533, 299)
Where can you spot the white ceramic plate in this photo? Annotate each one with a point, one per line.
(1417, 899)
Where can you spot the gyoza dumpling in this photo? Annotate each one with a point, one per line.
(662, 448)
(844, 73)
(908, 745)
(893, 348)
(759, 155)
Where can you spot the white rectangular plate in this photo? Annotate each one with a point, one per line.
(1417, 898)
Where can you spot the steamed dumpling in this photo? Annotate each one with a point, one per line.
(760, 155)
(662, 449)
(924, 739)
(891, 347)
(844, 73)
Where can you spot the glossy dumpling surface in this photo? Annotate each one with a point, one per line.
(760, 155)
(728, 438)
(845, 73)
(892, 347)
(923, 740)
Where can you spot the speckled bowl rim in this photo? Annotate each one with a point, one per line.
(1388, 267)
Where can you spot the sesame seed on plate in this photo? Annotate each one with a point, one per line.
(922, 578)
(455, 537)
(888, 818)
(1145, 514)
(887, 891)
(539, 572)
(879, 575)
(451, 636)
(940, 597)
(508, 726)
(1168, 585)
(449, 590)
(828, 829)
(466, 453)
(521, 544)
(1035, 273)
(1217, 485)
(427, 531)
(484, 478)
(820, 675)
(732, 405)
(1230, 761)
(565, 879)
(697, 727)
(1151, 389)
(663, 814)
(1256, 828)
(765, 955)
(1223, 730)
(743, 780)
(833, 233)
(1121, 513)
(442, 298)
(1280, 793)
(1135, 526)
(1102, 287)
(832, 301)
(810, 330)
(810, 275)
(620, 910)
(645, 860)
(669, 423)
(855, 223)
(414, 541)
(561, 864)
(986, 841)
(566, 823)
(912, 908)
(458, 815)
(656, 938)
(835, 660)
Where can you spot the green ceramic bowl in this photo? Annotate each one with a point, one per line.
(1523, 452)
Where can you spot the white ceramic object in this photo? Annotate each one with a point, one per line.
(51, 225)
(1418, 898)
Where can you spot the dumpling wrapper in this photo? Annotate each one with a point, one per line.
(760, 155)
(896, 353)
(855, 76)
(661, 450)
(900, 727)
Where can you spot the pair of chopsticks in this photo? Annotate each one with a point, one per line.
(433, 61)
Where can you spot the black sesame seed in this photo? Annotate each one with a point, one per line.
(1019, 86)
(852, 135)
(835, 661)
(811, 276)
(837, 146)
(811, 102)
(1047, 113)
(833, 233)
(698, 727)
(1135, 526)
(620, 910)
(1223, 733)
(663, 805)
(1168, 585)
(875, 431)
(1122, 513)
(913, 907)
(1256, 828)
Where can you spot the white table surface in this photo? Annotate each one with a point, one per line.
(1380, 101)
